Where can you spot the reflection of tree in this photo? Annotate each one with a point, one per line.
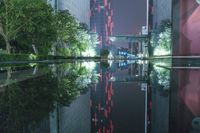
(25, 104)
(160, 78)
(74, 81)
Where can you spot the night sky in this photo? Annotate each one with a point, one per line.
(129, 16)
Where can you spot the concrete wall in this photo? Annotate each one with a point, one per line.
(162, 11)
(78, 8)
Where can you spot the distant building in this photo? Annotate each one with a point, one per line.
(78, 8)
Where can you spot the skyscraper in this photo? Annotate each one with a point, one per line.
(101, 22)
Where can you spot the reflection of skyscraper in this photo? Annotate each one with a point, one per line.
(101, 105)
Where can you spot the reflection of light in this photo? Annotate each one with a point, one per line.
(110, 62)
(112, 39)
(140, 55)
(140, 62)
(89, 65)
(89, 52)
(110, 56)
(198, 1)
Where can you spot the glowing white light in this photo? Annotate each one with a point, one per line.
(112, 39)
(140, 55)
(198, 1)
(89, 65)
(161, 51)
(110, 56)
(140, 62)
(89, 52)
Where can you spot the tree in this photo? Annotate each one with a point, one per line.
(27, 22)
(66, 28)
(105, 53)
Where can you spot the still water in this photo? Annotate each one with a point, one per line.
(99, 97)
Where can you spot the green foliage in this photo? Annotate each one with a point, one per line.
(105, 52)
(160, 78)
(161, 39)
(24, 105)
(40, 30)
(66, 27)
(27, 22)
(24, 23)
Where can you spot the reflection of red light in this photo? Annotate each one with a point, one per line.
(104, 130)
(111, 12)
(109, 96)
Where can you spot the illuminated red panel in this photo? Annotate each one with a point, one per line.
(99, 8)
(105, 3)
(109, 6)
(111, 88)
(109, 96)
(109, 20)
(111, 12)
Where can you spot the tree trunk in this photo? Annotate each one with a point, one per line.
(8, 47)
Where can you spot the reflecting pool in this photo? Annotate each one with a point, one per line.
(100, 97)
